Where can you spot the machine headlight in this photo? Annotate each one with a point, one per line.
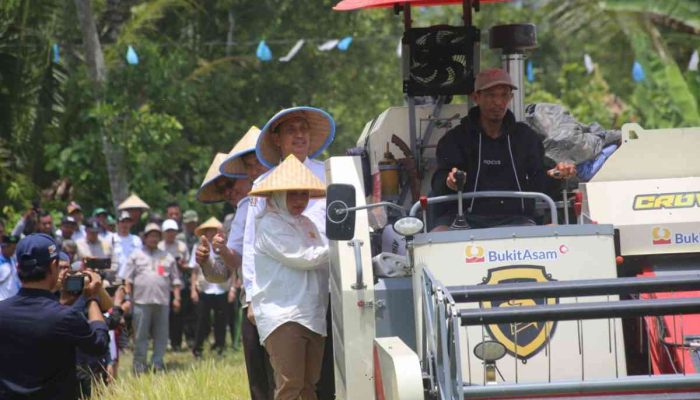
(408, 226)
(489, 351)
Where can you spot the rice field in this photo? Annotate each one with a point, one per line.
(212, 377)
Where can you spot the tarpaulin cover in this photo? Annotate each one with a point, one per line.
(347, 5)
(566, 139)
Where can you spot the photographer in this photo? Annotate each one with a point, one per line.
(38, 350)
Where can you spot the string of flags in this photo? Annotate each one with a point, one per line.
(264, 54)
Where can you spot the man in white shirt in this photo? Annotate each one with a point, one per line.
(124, 243)
(260, 379)
(178, 249)
(208, 297)
(304, 132)
(9, 281)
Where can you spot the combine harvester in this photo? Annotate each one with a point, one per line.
(601, 308)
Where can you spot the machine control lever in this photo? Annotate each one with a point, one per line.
(460, 221)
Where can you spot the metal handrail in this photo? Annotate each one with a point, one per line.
(356, 245)
(574, 288)
(492, 193)
(580, 311)
(667, 383)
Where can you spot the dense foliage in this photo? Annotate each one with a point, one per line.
(198, 86)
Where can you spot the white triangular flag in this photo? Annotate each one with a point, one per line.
(588, 62)
(694, 61)
(329, 45)
(399, 48)
(293, 52)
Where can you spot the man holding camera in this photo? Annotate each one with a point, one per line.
(38, 349)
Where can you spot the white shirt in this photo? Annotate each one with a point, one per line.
(9, 281)
(316, 211)
(204, 285)
(235, 235)
(77, 235)
(291, 274)
(122, 247)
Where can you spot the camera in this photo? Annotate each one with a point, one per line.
(98, 263)
(74, 283)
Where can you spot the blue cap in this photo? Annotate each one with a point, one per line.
(37, 249)
(63, 256)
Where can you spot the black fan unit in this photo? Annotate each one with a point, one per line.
(440, 60)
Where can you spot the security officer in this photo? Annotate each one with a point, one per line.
(37, 348)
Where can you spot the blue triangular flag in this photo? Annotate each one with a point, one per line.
(637, 72)
(263, 52)
(131, 57)
(344, 43)
(56, 54)
(530, 71)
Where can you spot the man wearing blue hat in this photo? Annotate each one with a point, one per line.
(37, 349)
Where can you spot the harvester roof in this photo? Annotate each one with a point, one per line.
(347, 5)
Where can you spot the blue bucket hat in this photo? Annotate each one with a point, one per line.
(322, 128)
(37, 249)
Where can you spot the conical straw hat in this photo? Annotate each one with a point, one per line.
(210, 223)
(290, 175)
(243, 147)
(133, 201)
(209, 192)
(320, 122)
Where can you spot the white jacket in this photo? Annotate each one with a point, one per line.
(316, 211)
(291, 274)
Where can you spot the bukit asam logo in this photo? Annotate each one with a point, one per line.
(660, 236)
(477, 254)
(663, 236)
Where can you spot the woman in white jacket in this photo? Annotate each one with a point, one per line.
(290, 290)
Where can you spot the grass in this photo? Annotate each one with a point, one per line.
(212, 377)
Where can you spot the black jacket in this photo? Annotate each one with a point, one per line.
(38, 340)
(491, 164)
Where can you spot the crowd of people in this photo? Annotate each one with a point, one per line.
(147, 273)
(267, 262)
(262, 273)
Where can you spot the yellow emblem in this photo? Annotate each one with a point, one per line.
(521, 339)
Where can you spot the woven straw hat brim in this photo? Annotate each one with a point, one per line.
(322, 128)
(208, 192)
(290, 175)
(210, 223)
(244, 146)
(133, 201)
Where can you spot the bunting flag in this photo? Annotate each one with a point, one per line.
(694, 61)
(263, 52)
(588, 63)
(56, 53)
(530, 71)
(131, 57)
(293, 52)
(344, 43)
(328, 45)
(637, 72)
